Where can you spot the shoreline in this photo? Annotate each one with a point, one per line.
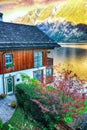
(80, 46)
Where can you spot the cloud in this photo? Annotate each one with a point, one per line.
(9, 5)
(12, 7)
(28, 2)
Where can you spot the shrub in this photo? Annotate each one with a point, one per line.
(25, 93)
(1, 124)
(36, 100)
(26, 79)
(56, 101)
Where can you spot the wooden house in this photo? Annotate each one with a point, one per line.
(23, 49)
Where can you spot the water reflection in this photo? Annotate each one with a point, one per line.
(74, 55)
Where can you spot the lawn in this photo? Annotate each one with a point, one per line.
(20, 122)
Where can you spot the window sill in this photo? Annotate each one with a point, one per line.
(38, 66)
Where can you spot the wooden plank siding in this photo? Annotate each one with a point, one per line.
(23, 59)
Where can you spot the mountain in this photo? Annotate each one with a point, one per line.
(74, 11)
(63, 22)
(32, 17)
(65, 32)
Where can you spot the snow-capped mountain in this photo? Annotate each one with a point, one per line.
(65, 31)
(65, 22)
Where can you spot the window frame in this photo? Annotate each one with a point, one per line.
(38, 62)
(10, 59)
(37, 71)
(49, 70)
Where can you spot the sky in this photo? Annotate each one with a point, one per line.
(71, 10)
(16, 8)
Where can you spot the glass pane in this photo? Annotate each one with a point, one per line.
(49, 72)
(10, 84)
(35, 54)
(38, 59)
(9, 58)
(38, 74)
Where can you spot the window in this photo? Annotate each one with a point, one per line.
(38, 75)
(9, 60)
(49, 72)
(38, 59)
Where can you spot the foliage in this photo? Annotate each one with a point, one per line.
(10, 127)
(72, 94)
(1, 124)
(64, 99)
(48, 51)
(20, 122)
(2, 95)
(26, 79)
(25, 94)
(9, 65)
(42, 100)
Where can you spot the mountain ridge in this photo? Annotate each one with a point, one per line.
(65, 32)
(54, 21)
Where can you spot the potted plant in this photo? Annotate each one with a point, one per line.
(9, 65)
(13, 104)
(2, 96)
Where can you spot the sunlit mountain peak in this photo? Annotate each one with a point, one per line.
(74, 11)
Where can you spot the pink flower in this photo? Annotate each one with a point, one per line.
(44, 109)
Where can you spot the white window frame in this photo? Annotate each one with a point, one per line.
(49, 72)
(38, 61)
(11, 58)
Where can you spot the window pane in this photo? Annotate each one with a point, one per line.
(38, 59)
(38, 74)
(9, 58)
(49, 72)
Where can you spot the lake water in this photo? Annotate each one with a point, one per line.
(75, 55)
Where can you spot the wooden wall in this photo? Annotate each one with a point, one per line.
(23, 59)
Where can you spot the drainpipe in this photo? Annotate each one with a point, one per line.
(3, 71)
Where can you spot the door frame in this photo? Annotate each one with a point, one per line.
(7, 85)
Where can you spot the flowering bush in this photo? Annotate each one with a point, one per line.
(72, 93)
(64, 99)
(2, 95)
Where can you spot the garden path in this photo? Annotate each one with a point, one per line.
(6, 111)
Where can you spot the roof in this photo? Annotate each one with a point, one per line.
(19, 36)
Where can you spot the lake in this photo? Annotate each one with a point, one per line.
(75, 55)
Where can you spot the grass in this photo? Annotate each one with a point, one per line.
(20, 122)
